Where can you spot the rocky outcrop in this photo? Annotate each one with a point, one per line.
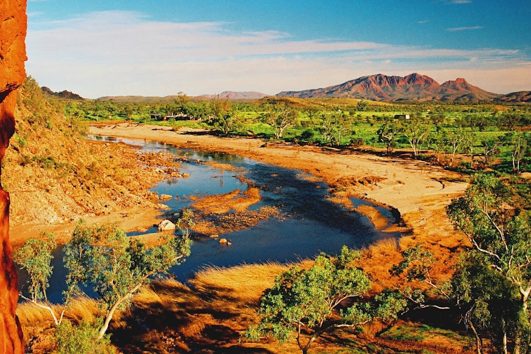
(13, 24)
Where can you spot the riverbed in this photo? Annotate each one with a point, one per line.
(310, 222)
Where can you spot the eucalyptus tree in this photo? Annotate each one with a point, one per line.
(416, 132)
(388, 134)
(280, 119)
(35, 257)
(115, 266)
(520, 147)
(307, 302)
(491, 284)
(495, 218)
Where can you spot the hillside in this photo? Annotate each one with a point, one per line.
(413, 87)
(69, 95)
(515, 97)
(56, 175)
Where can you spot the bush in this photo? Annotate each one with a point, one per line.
(81, 339)
(307, 135)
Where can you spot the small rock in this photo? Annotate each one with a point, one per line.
(185, 175)
(225, 242)
(166, 225)
(214, 236)
(165, 197)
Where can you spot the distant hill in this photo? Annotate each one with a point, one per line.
(62, 94)
(413, 87)
(237, 95)
(225, 95)
(138, 99)
(515, 97)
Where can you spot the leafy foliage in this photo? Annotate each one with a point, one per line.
(81, 339)
(36, 257)
(387, 134)
(280, 118)
(105, 260)
(314, 300)
(494, 219)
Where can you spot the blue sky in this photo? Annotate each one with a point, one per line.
(162, 47)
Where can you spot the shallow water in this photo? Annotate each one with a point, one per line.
(312, 224)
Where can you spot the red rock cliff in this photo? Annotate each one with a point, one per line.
(13, 22)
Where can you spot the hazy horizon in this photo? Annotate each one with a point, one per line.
(111, 48)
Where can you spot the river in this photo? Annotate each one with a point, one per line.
(310, 224)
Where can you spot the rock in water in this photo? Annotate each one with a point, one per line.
(166, 225)
(225, 242)
(13, 23)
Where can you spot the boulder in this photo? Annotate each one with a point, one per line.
(166, 225)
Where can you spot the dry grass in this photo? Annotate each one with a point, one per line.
(243, 283)
(233, 201)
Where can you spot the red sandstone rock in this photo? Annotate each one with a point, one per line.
(13, 23)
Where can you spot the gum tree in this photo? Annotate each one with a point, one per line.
(387, 134)
(280, 119)
(416, 131)
(492, 282)
(496, 221)
(305, 303)
(35, 257)
(115, 267)
(519, 144)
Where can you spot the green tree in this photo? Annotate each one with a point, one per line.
(417, 132)
(314, 301)
(387, 134)
(223, 118)
(519, 144)
(186, 222)
(489, 149)
(280, 119)
(35, 257)
(458, 140)
(115, 266)
(496, 221)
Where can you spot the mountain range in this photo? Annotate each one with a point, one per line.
(410, 88)
(237, 95)
(414, 87)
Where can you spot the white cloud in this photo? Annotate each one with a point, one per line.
(460, 2)
(464, 28)
(120, 53)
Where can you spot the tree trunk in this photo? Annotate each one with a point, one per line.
(307, 346)
(524, 295)
(504, 338)
(108, 319)
(479, 344)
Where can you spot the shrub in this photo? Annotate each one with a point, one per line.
(81, 339)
